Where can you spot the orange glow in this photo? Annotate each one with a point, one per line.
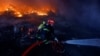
(42, 13)
(20, 15)
(19, 12)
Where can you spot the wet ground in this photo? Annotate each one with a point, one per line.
(10, 48)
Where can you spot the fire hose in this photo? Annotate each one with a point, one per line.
(55, 45)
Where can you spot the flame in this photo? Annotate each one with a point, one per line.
(18, 12)
(38, 12)
(19, 15)
(42, 13)
(9, 8)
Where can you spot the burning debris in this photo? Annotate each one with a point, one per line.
(38, 7)
(18, 13)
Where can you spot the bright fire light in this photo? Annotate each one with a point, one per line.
(18, 14)
(42, 14)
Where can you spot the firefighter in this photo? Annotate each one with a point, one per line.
(46, 31)
(47, 35)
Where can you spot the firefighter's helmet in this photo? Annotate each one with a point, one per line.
(51, 21)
